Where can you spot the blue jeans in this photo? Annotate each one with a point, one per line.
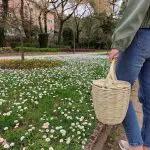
(134, 63)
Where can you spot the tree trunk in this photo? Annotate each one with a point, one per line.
(25, 27)
(2, 37)
(45, 21)
(78, 35)
(22, 51)
(22, 13)
(21, 34)
(4, 18)
(40, 23)
(30, 25)
(88, 44)
(60, 32)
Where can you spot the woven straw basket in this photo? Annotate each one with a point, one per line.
(111, 98)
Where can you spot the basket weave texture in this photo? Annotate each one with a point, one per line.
(111, 98)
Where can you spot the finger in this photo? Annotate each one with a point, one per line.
(115, 59)
(111, 57)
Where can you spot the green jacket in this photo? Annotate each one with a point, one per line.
(134, 15)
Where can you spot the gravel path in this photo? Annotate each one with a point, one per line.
(60, 56)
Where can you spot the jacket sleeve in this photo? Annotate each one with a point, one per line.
(130, 22)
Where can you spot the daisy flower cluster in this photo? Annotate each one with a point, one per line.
(49, 109)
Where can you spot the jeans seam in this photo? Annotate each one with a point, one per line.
(143, 130)
(143, 101)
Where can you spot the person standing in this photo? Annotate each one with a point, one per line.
(131, 47)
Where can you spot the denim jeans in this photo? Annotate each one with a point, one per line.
(134, 63)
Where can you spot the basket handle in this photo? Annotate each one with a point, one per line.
(112, 75)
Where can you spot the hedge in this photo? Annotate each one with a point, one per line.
(18, 44)
(34, 49)
(79, 50)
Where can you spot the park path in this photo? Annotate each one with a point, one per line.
(60, 56)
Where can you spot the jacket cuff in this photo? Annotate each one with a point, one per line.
(117, 46)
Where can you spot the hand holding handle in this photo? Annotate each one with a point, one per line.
(112, 73)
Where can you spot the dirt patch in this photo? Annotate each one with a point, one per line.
(114, 137)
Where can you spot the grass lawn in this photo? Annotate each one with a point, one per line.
(46, 109)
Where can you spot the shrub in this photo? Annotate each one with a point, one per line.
(34, 49)
(68, 36)
(78, 50)
(2, 37)
(18, 44)
(14, 44)
(28, 64)
(56, 45)
(30, 45)
(43, 40)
